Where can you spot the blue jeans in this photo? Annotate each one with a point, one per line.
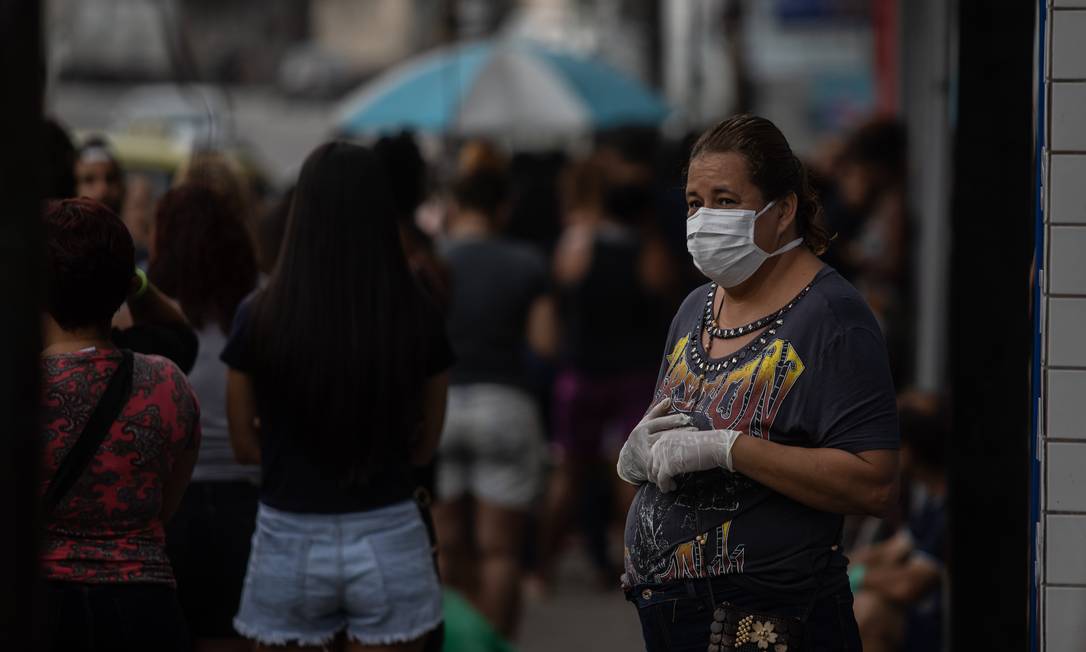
(675, 617)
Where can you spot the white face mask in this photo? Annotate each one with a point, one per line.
(721, 242)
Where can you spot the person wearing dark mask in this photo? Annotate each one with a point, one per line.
(774, 414)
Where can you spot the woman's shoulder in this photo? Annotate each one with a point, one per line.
(694, 302)
(160, 382)
(838, 303)
(155, 373)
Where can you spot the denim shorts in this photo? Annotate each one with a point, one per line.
(312, 576)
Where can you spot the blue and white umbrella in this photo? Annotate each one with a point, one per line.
(509, 88)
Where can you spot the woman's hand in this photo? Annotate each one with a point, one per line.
(687, 450)
(633, 461)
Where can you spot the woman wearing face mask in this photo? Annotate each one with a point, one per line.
(773, 416)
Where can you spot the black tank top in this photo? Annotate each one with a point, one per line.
(611, 323)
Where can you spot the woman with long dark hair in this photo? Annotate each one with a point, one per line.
(337, 387)
(202, 256)
(774, 415)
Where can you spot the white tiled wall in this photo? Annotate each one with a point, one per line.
(1066, 190)
(1064, 624)
(1063, 419)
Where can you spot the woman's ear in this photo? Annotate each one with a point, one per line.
(787, 206)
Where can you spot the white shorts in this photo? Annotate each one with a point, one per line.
(492, 446)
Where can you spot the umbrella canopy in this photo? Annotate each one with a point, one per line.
(500, 87)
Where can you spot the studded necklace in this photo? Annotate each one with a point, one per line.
(707, 323)
(714, 329)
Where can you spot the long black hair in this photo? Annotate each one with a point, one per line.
(338, 329)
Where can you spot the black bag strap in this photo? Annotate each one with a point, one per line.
(101, 419)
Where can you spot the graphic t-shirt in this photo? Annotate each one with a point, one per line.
(108, 528)
(818, 377)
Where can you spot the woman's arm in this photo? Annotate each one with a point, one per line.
(175, 483)
(154, 307)
(543, 327)
(903, 583)
(573, 254)
(241, 416)
(434, 393)
(827, 479)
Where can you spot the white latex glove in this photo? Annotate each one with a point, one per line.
(686, 450)
(633, 461)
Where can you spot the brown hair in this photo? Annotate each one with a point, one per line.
(204, 256)
(773, 168)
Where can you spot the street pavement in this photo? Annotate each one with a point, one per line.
(579, 616)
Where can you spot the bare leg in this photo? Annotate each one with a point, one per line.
(500, 533)
(881, 623)
(566, 481)
(454, 545)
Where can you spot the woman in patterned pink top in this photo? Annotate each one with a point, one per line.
(109, 583)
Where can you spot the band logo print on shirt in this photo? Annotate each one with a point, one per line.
(745, 398)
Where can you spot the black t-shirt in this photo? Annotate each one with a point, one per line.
(493, 285)
(291, 479)
(599, 337)
(174, 341)
(820, 379)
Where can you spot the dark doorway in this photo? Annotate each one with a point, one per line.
(992, 214)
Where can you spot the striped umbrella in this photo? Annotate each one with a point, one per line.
(500, 88)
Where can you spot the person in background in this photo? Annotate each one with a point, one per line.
(870, 186)
(899, 581)
(225, 175)
(337, 386)
(202, 257)
(406, 173)
(492, 453)
(610, 273)
(270, 231)
(109, 585)
(98, 174)
(150, 323)
(535, 206)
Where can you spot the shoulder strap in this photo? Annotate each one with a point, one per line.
(101, 419)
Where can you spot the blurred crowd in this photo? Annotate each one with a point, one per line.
(555, 276)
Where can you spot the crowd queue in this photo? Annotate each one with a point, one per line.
(310, 421)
